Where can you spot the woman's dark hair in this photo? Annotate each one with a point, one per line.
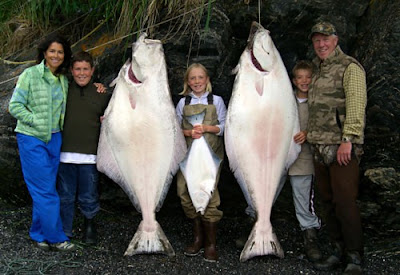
(45, 44)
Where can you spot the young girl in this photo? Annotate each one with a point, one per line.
(197, 98)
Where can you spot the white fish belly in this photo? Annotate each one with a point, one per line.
(200, 170)
(143, 146)
(260, 139)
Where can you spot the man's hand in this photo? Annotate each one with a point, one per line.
(343, 155)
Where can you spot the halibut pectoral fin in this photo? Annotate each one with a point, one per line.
(144, 242)
(260, 86)
(259, 244)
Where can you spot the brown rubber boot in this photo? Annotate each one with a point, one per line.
(210, 240)
(198, 243)
(311, 247)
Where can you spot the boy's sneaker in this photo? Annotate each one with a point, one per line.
(63, 247)
(42, 245)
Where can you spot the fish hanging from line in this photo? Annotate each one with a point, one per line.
(200, 168)
(141, 142)
(261, 121)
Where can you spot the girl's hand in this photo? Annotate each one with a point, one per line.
(197, 133)
(200, 128)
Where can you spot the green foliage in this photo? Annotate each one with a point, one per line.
(45, 13)
(22, 22)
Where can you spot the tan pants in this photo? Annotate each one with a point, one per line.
(211, 214)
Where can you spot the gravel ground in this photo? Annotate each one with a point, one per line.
(116, 228)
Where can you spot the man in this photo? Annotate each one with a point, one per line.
(337, 102)
(77, 175)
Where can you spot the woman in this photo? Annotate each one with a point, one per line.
(38, 103)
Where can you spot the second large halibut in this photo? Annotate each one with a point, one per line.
(261, 121)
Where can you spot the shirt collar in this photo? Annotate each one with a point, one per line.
(202, 96)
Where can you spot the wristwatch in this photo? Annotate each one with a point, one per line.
(346, 139)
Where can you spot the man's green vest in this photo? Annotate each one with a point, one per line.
(327, 108)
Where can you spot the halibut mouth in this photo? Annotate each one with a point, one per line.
(254, 30)
(132, 76)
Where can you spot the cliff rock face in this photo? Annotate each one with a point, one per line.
(378, 49)
(368, 30)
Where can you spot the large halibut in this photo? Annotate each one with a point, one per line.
(141, 143)
(261, 121)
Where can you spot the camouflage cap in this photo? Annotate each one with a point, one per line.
(324, 28)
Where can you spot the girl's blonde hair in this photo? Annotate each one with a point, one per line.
(186, 88)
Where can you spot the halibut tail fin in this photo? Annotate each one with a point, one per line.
(144, 242)
(261, 243)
